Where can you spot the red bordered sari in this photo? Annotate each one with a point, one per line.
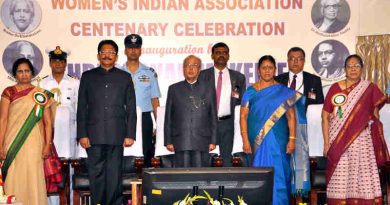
(357, 146)
(25, 175)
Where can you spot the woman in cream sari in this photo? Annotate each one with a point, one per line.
(353, 138)
(24, 125)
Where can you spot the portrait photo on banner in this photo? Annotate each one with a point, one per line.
(328, 58)
(21, 16)
(330, 16)
(22, 49)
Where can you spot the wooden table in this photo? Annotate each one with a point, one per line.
(136, 192)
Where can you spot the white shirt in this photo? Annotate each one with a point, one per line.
(299, 81)
(65, 115)
(226, 92)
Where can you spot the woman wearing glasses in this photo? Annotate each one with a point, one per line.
(353, 138)
(329, 23)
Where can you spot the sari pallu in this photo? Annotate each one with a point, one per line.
(355, 136)
(268, 133)
(354, 123)
(24, 140)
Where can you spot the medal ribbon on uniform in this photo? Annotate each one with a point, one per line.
(339, 100)
(40, 99)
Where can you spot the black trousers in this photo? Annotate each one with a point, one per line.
(189, 158)
(225, 135)
(147, 138)
(105, 174)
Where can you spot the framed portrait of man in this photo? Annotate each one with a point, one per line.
(328, 59)
(21, 16)
(22, 49)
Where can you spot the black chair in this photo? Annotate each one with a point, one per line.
(132, 167)
(64, 186)
(317, 177)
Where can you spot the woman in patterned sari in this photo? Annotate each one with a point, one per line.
(353, 138)
(24, 125)
(268, 127)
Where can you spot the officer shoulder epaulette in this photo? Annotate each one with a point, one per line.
(74, 77)
(153, 71)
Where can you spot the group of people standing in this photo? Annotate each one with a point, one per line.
(199, 115)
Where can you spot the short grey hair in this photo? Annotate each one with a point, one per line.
(29, 3)
(189, 57)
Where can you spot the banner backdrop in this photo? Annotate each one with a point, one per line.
(173, 29)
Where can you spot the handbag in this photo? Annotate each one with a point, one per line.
(53, 172)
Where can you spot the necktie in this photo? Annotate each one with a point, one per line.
(219, 88)
(293, 82)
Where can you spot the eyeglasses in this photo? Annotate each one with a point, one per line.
(192, 65)
(108, 52)
(358, 66)
(296, 59)
(333, 6)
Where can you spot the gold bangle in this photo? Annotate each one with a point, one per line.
(293, 138)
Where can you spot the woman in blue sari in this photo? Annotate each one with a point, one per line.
(268, 127)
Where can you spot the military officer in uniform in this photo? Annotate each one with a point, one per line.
(65, 89)
(147, 91)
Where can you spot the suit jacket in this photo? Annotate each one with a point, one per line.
(190, 117)
(106, 111)
(237, 80)
(310, 83)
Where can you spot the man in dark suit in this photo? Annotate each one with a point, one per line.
(190, 128)
(299, 80)
(106, 122)
(229, 86)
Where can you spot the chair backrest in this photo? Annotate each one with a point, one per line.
(160, 149)
(237, 141)
(314, 130)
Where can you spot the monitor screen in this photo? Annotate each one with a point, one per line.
(168, 185)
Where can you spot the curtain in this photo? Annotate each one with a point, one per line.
(375, 51)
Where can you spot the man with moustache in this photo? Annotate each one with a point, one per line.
(330, 65)
(106, 122)
(190, 125)
(229, 86)
(308, 84)
(65, 89)
(22, 14)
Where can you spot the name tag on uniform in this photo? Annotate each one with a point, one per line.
(144, 78)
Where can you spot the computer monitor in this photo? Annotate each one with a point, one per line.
(168, 185)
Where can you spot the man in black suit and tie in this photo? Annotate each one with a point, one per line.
(299, 80)
(229, 86)
(190, 125)
(106, 122)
